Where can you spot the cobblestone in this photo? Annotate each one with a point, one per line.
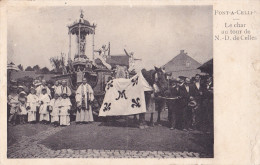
(28, 147)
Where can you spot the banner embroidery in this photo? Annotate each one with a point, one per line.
(136, 103)
(109, 85)
(121, 95)
(107, 107)
(135, 81)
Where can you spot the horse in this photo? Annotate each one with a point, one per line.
(155, 78)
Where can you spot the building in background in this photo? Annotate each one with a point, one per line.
(182, 65)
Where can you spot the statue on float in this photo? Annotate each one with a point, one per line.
(102, 52)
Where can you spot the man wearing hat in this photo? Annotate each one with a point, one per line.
(185, 94)
(63, 88)
(181, 80)
(208, 104)
(36, 83)
(43, 86)
(84, 97)
(197, 93)
(174, 105)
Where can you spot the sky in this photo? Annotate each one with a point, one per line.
(154, 34)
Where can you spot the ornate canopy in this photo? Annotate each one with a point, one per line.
(83, 25)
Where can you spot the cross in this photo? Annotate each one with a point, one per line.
(81, 13)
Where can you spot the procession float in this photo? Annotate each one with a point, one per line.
(98, 68)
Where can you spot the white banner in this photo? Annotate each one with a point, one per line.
(125, 96)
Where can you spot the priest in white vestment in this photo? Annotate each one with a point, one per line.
(84, 97)
(63, 88)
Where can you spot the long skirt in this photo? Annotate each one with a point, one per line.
(55, 115)
(54, 118)
(45, 117)
(84, 115)
(31, 116)
(64, 120)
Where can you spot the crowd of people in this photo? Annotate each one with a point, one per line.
(49, 105)
(191, 106)
(189, 103)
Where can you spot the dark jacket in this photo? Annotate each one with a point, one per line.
(197, 93)
(185, 95)
(208, 91)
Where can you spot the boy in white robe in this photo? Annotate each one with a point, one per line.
(44, 101)
(54, 106)
(31, 106)
(64, 111)
(84, 97)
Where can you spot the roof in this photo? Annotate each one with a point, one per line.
(114, 60)
(181, 62)
(207, 67)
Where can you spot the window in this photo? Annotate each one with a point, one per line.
(187, 64)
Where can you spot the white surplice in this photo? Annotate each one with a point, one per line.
(55, 106)
(32, 102)
(84, 93)
(44, 114)
(64, 111)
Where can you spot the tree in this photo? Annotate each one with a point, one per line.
(20, 67)
(57, 63)
(29, 68)
(36, 68)
(45, 70)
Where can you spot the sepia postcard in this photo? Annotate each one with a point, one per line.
(130, 82)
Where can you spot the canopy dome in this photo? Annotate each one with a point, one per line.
(82, 24)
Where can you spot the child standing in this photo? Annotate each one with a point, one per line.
(65, 108)
(55, 104)
(44, 101)
(32, 103)
(22, 107)
(14, 105)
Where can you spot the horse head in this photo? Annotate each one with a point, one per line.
(157, 77)
(160, 80)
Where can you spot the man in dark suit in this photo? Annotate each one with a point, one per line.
(185, 93)
(197, 93)
(173, 104)
(198, 88)
(207, 103)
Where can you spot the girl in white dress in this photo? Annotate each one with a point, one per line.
(44, 101)
(55, 104)
(32, 103)
(65, 108)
